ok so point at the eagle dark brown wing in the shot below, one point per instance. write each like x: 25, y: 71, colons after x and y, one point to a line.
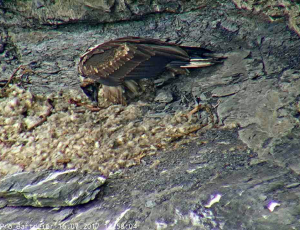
x: 118, y: 62
x: 128, y: 59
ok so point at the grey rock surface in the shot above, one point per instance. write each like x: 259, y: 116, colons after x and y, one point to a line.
x: 49, y: 189
x: 250, y: 158
x: 164, y: 97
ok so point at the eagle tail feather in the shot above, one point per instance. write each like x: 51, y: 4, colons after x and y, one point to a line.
x: 200, y: 63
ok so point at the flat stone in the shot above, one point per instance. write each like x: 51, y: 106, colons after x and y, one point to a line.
x: 49, y: 188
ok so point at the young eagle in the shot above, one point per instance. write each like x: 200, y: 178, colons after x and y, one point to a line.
x: 117, y: 64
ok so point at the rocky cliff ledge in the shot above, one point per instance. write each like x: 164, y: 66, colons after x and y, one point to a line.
x: 216, y: 149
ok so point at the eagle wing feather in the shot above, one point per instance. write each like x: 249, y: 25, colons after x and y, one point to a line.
x: 116, y: 61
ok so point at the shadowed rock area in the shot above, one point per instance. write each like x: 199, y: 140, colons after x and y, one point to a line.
x: 234, y: 164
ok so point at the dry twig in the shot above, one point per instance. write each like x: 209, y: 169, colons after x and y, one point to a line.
x: 90, y: 107
x: 191, y: 130
x: 25, y: 70
x: 44, y: 117
x: 198, y: 108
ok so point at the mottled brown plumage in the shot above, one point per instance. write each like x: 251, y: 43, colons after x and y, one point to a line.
x: 117, y: 64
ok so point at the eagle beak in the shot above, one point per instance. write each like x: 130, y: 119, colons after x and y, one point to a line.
x: 91, y: 90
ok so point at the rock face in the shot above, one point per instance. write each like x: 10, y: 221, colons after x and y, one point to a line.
x: 237, y: 157
x: 49, y: 189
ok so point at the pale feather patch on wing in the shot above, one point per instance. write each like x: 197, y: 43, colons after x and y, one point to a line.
x: 104, y: 64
